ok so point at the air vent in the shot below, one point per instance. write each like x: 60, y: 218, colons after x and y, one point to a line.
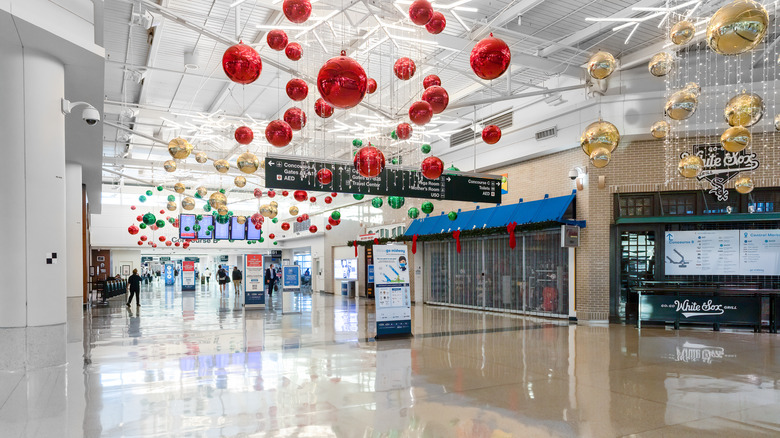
x: 547, y: 133
x: 503, y: 120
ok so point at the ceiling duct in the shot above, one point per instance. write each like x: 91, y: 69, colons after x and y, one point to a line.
x: 502, y: 119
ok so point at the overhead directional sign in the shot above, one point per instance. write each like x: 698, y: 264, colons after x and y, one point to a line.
x: 301, y: 174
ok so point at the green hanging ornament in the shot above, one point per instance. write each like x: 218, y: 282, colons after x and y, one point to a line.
x: 230, y: 213
x: 426, y: 148
x: 171, y: 198
x: 452, y: 167
x: 354, y: 153
x: 208, y: 233
x: 186, y: 228
x: 413, y: 212
x: 197, y: 195
x: 396, y: 202
x: 149, y: 193
x: 231, y: 240
x: 223, y: 219
x: 160, y: 223
x: 159, y: 188
x: 214, y: 213
x: 427, y: 207
x: 196, y: 227
x: 335, y: 215
x: 276, y: 243
x: 199, y: 217
x: 142, y: 198
x: 207, y: 207
x: 452, y: 215
x: 275, y: 220
x: 377, y: 202
x: 262, y: 239
x: 142, y: 226
x: 149, y: 218
x: 394, y: 161
x: 222, y: 191
x: 393, y: 135
x: 357, y: 142
x: 210, y: 227
x: 358, y: 196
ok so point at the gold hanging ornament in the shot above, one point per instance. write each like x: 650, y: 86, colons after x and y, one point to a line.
x: 682, y: 104
x: 239, y: 181
x: 293, y: 211
x: 690, y: 166
x: 682, y: 32
x: 735, y: 138
x: 171, y: 206
x: 737, y: 27
x: 179, y: 187
x: 222, y: 211
x: 202, y: 192
x: 660, y: 64
x: 744, y: 109
x: 660, y: 129
x: 600, y: 157
x: 217, y: 200
x: 179, y: 148
x: 170, y: 166
x: 777, y: 122
x: 744, y: 184
x: 188, y: 203
x: 247, y: 162
x: 241, y: 220
x: 222, y: 166
x: 201, y: 157
x: 599, y: 134
x: 601, y: 65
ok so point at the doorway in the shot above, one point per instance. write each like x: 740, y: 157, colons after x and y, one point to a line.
x: 636, y: 251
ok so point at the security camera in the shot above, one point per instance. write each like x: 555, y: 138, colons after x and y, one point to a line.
x: 573, y: 174
x: 90, y: 114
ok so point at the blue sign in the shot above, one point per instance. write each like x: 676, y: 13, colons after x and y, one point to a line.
x: 291, y: 277
x: 170, y: 277
x: 370, y: 273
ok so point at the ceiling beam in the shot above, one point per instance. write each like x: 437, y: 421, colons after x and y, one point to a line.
x: 519, y: 8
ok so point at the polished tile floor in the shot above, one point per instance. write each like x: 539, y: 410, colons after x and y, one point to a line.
x: 195, y: 364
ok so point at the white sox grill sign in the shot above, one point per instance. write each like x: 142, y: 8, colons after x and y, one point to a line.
x: 720, y: 166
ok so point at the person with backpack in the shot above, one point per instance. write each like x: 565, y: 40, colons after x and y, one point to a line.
x: 134, y: 288
x: 222, y: 275
x: 237, y: 277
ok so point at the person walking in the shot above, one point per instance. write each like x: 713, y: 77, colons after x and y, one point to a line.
x: 134, y: 288
x: 207, y: 274
x: 222, y: 275
x: 270, y: 279
x: 236, y: 279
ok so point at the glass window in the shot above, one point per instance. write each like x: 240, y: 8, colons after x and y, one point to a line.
x: 636, y: 205
x: 678, y: 203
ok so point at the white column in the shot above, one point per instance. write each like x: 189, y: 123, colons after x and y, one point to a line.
x: 73, y: 231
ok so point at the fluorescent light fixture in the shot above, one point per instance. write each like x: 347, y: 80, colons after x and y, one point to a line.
x: 453, y: 4
x: 271, y: 27
x: 636, y: 26
x: 460, y: 20
x: 236, y: 3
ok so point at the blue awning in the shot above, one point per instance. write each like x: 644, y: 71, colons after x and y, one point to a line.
x: 542, y: 210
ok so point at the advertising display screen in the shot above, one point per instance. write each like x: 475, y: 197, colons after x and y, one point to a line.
x: 187, y: 226
x: 237, y: 231
x: 722, y: 252
x: 205, y: 223
x: 253, y: 233
x: 393, y: 299
x: 345, y: 269
x: 222, y: 231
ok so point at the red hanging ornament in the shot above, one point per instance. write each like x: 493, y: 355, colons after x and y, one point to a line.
x: 140, y: 243
x: 403, y: 131
x: 285, y: 226
x: 376, y: 241
x: 322, y: 108
x: 300, y: 195
x: 369, y: 161
x: 132, y: 207
x: 437, y: 23
x: 371, y: 86
x: 437, y: 97
x: 133, y: 229
x: 285, y: 193
x: 161, y: 238
x: 177, y: 244
x: 414, y: 244
x: 294, y: 51
x: 324, y: 176
x: 297, y: 89
x: 143, y: 238
x: 491, y: 134
x: 258, y: 193
x: 299, y: 219
x: 328, y: 227
x: 420, y: 12
x: 313, y: 229
x: 430, y: 81
x: 332, y: 221
x: 312, y: 199
x: 271, y: 193
x: 168, y: 243
x: 432, y: 167
x: 334, y: 194
x: 456, y: 235
x: 490, y: 58
x: 162, y: 211
x: 154, y: 245
x: 296, y: 118
x: 186, y: 245
x: 355, y: 244
x: 328, y: 199
x: 277, y: 39
x: 244, y: 135
x: 139, y: 218
x: 420, y: 113
x: 510, y: 228
x: 242, y: 64
x: 278, y: 133
x: 297, y: 11
x: 272, y: 236
x: 342, y: 82
x: 404, y: 69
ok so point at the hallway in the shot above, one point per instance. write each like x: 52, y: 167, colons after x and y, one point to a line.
x: 196, y: 364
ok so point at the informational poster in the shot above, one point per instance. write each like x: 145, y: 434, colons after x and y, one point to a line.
x: 169, y: 275
x: 291, y: 277
x: 722, y: 252
x: 393, y: 300
x: 188, y: 275
x: 254, y: 292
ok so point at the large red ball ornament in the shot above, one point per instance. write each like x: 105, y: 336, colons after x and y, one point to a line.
x: 257, y: 219
x: 331, y: 221
x: 328, y: 227
x: 490, y: 58
x: 161, y: 238
x: 285, y: 193
x: 133, y: 229
x: 168, y: 243
x: 432, y: 167
x: 371, y: 86
x: 285, y: 226
x: 299, y: 219
x: 242, y: 64
x: 334, y: 194
x: 297, y: 11
x: 342, y: 82
x: 305, y: 216
x: 300, y: 195
x: 491, y: 134
x: 328, y: 199
x: 437, y: 97
x: 244, y: 134
x: 272, y: 236
x: 313, y: 229
x: 154, y: 245
x: 403, y: 131
x: 324, y: 176
x: 294, y: 51
x: 162, y: 211
x: 271, y: 193
x: 258, y: 193
x: 369, y: 161
x: 140, y: 243
x: 312, y: 199
x: 322, y: 108
x: 186, y: 245
x: 404, y: 69
x: 177, y: 244
x: 143, y: 238
x: 420, y: 113
x: 278, y: 133
x: 296, y: 118
x: 437, y: 23
x: 421, y: 12
x: 430, y: 81
x: 277, y: 39
x: 139, y: 218
x: 297, y: 89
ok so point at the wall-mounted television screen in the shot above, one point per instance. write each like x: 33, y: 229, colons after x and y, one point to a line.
x: 205, y: 223
x: 222, y: 231
x: 252, y: 233
x: 237, y: 231
x: 187, y: 226
x: 345, y: 269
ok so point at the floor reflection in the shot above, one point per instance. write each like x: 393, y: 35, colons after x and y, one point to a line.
x: 199, y: 364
